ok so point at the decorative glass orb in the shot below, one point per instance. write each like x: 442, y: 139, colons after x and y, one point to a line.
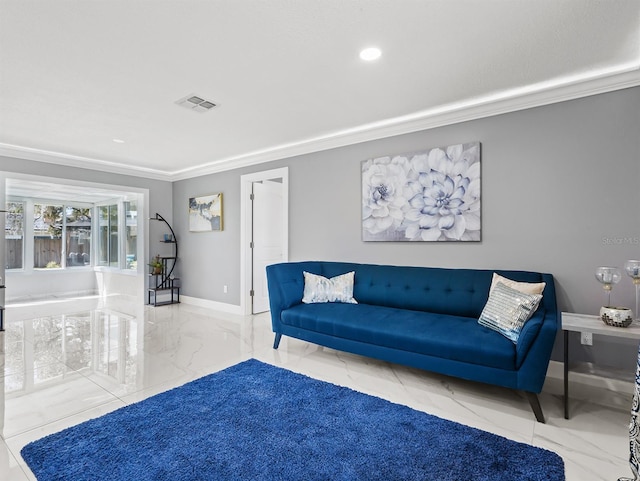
x: 608, y: 276
x: 633, y: 270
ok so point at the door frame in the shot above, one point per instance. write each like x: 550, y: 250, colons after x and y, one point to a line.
x: 246, y: 228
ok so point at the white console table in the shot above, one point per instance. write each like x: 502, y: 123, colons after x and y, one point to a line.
x: 594, y: 325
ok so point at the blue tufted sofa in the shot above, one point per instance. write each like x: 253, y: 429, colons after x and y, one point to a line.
x: 421, y: 317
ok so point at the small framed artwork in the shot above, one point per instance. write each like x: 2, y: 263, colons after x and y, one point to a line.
x: 428, y: 196
x: 205, y: 213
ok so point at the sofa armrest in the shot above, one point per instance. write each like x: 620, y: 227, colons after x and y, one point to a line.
x: 534, y: 347
x: 528, y: 335
x: 533, y: 363
x: 285, y: 282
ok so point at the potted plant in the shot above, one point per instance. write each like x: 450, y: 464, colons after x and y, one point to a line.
x: 156, y: 265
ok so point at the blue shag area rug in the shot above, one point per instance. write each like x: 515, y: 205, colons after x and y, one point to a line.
x: 254, y: 421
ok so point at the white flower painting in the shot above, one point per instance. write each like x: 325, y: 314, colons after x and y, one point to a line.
x: 432, y: 195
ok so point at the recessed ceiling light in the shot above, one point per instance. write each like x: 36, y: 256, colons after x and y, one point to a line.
x: 118, y: 141
x: 370, y: 54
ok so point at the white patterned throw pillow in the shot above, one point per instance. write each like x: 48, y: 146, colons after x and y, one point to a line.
x: 507, y: 310
x: 320, y: 289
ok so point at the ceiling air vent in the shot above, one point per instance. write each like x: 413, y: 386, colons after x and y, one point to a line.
x: 196, y: 103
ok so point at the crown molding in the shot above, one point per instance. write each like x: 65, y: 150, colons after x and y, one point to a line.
x: 69, y: 160
x: 513, y: 100
x: 536, y: 95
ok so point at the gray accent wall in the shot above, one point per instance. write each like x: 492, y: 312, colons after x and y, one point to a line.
x: 209, y: 260
x: 559, y: 194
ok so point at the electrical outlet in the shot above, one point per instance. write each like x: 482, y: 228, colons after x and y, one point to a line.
x: 586, y: 338
x: 224, y: 289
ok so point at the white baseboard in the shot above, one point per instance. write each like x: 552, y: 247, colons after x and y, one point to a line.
x: 51, y: 296
x: 596, y: 379
x: 216, y: 306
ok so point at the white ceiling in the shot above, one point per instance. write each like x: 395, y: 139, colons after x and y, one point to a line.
x: 75, y: 74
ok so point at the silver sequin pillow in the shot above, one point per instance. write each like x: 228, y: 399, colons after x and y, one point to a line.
x: 320, y: 289
x: 507, y: 310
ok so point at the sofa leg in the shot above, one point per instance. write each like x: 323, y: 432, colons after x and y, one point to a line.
x: 276, y: 341
x: 535, y: 405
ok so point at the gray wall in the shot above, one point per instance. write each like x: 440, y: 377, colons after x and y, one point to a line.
x: 209, y: 260
x: 559, y: 194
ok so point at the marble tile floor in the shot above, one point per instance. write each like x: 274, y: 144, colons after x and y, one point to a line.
x: 67, y: 362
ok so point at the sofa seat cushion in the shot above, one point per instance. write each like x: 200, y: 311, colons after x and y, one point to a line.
x: 438, y: 335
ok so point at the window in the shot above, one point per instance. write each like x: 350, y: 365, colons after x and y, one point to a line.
x: 54, y: 234
x: 14, y: 235
x: 47, y: 236
x: 108, y: 246
x: 131, y: 241
x: 77, y: 236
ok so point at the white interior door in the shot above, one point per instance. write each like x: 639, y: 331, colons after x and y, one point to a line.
x: 267, y: 238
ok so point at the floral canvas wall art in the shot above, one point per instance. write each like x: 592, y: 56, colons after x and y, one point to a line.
x: 205, y: 213
x: 431, y: 195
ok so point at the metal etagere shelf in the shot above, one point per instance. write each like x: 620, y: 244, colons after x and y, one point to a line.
x: 165, y: 282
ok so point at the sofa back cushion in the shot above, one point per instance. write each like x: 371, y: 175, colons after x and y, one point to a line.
x: 459, y: 292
